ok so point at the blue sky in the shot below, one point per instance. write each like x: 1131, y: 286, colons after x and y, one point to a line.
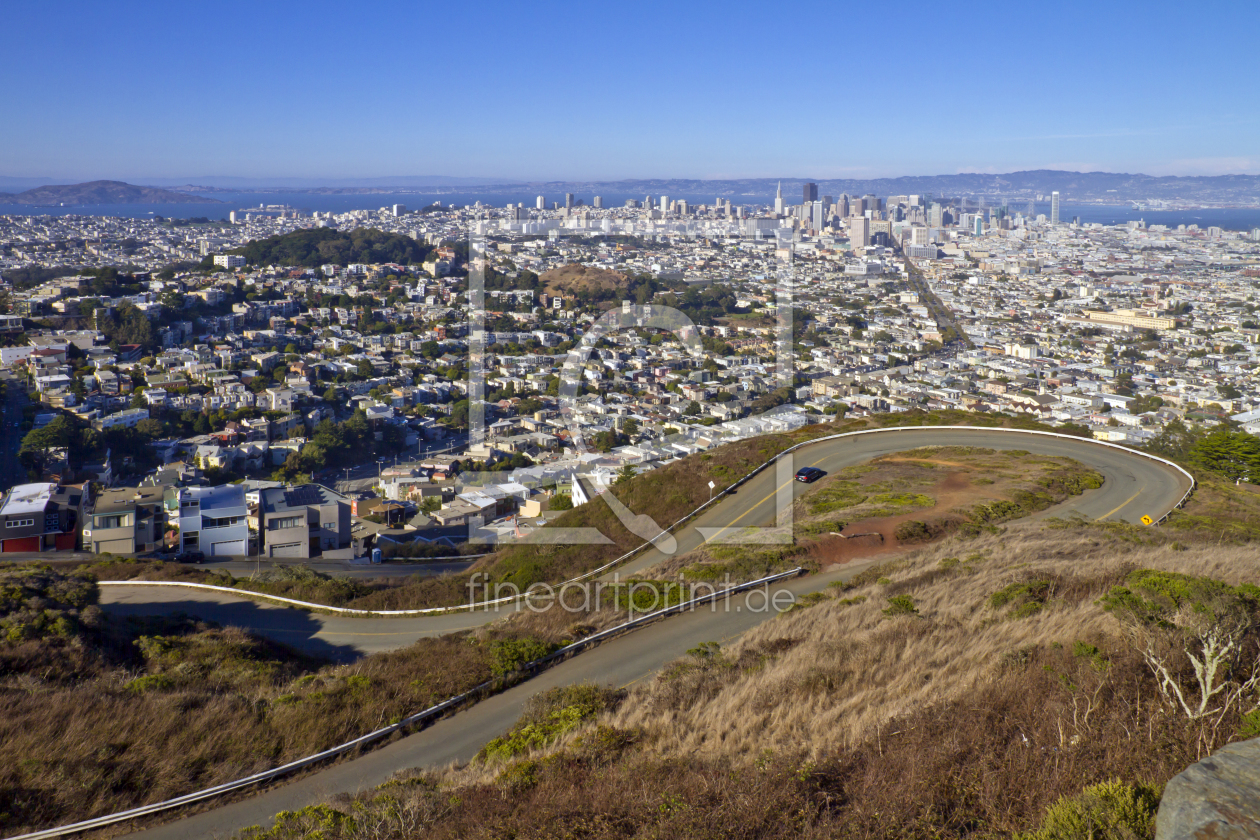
x: 548, y: 90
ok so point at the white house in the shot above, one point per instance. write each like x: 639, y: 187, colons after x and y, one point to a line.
x: 213, y: 520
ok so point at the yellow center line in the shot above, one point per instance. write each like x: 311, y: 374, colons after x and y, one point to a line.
x: 1122, y: 504
x: 759, y: 504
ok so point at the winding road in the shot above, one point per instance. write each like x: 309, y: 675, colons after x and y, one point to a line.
x: 1134, y: 486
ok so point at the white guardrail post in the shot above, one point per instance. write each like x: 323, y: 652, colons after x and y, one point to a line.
x: 419, y: 717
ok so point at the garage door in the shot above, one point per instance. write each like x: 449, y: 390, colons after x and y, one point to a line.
x: 288, y: 550
x: 112, y: 546
x: 223, y: 549
x: 22, y: 544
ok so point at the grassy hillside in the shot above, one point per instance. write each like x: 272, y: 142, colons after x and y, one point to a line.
x: 972, y: 689
x: 99, y: 713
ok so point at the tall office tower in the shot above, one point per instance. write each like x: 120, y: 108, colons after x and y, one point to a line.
x: 1054, y: 207
x: 872, y: 202
x: 540, y: 203
x: 682, y: 206
x: 979, y: 224
x: 568, y: 201
x: 598, y: 202
x: 819, y: 219
x: 778, y: 200
x: 810, y: 193
x: 399, y: 209
x: 859, y: 232
x: 936, y: 215
x: 664, y: 204
x: 858, y: 206
x: 826, y: 199
x: 842, y: 206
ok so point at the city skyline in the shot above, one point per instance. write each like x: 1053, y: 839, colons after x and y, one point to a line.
x: 658, y: 91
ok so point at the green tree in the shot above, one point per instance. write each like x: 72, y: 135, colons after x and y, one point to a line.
x: 692, y: 409
x: 150, y: 428
x: 1233, y: 455
x: 626, y: 473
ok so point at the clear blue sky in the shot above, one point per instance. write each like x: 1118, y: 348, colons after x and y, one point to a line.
x: 608, y: 90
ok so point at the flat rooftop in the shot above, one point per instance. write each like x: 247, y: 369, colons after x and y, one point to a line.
x: 28, y: 498
x: 125, y: 498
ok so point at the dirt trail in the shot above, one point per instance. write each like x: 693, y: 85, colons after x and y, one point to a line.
x: 950, y: 492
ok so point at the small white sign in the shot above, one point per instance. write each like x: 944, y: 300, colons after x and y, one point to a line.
x: 712, y: 485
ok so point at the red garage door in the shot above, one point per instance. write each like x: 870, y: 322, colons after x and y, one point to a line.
x: 23, y: 544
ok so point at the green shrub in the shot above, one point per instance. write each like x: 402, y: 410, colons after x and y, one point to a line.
x: 548, y: 716
x: 903, y: 500
x: 152, y: 682
x: 1106, y: 811
x: 1249, y: 725
x: 998, y: 511
x: 1025, y: 598
x: 913, y: 531
x: 840, y: 495
x: 900, y: 605
x: 507, y: 655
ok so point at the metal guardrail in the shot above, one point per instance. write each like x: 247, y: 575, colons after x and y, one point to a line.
x: 419, y: 717
x: 716, y: 498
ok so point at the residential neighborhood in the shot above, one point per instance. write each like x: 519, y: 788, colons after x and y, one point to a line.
x: 181, y: 387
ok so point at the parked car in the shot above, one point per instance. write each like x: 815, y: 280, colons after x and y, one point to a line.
x: 190, y: 556
x: 809, y: 474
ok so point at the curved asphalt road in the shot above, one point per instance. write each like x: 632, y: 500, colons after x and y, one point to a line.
x: 1134, y: 486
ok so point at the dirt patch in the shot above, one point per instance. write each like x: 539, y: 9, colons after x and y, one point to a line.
x: 873, y: 537
x: 571, y: 279
x: 910, y: 498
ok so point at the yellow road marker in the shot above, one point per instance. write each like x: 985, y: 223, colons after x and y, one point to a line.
x: 1122, y: 504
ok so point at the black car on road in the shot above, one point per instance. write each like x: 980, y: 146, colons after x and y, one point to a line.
x: 809, y: 474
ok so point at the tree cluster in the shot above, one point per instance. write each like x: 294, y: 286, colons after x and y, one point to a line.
x: 320, y: 246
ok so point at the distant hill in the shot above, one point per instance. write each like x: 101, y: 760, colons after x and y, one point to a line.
x: 320, y: 246
x: 101, y: 192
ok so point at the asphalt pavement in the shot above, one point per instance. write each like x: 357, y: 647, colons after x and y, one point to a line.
x: 1134, y: 486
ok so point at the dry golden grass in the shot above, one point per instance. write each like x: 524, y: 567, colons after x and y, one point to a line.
x: 850, y: 670
x: 962, y: 719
